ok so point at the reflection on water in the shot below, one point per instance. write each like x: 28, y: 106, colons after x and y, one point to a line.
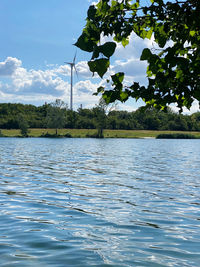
x: 84, y: 202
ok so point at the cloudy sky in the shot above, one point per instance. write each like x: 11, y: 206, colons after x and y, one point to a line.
x: 37, y: 37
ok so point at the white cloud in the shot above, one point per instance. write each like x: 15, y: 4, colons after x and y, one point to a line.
x: 134, y: 48
x: 132, y: 67
x: 83, y: 69
x: 9, y: 66
x: 38, y: 82
x: 85, y: 87
x: 127, y: 59
x: 126, y: 106
x: 32, y: 82
x: 194, y: 108
x: 63, y: 69
x: 19, y: 84
x: 36, y: 86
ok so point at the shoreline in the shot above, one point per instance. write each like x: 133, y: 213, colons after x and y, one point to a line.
x: 91, y: 133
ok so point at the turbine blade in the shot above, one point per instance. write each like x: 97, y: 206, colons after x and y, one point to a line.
x: 74, y: 58
x: 76, y: 71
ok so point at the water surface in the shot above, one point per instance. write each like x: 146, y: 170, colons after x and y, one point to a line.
x: 90, y: 202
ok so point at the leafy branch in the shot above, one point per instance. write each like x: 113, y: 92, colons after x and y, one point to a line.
x: 173, y: 73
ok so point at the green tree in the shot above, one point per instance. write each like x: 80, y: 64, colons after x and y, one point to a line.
x: 71, y: 119
x: 100, y: 112
x: 22, y: 124
x: 85, y: 119
x: 173, y: 71
x: 56, y: 115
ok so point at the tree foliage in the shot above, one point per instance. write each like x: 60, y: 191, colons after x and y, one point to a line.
x: 19, y: 115
x: 56, y: 115
x: 173, y: 70
x: 23, y: 125
x: 100, y: 113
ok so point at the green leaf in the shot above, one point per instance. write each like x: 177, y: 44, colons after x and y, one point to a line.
x: 84, y: 43
x: 125, y: 42
x: 177, y: 97
x: 118, y: 78
x: 135, y: 86
x: 135, y: 5
x: 197, y: 94
x: 146, y: 54
x: 149, y: 34
x: 99, y: 90
x: 114, y: 2
x: 103, y: 6
x: 187, y: 103
x: 143, y: 34
x: 160, y: 35
x: 91, y: 12
x: 121, y: 6
x: 106, y: 97
x: 99, y: 65
x: 179, y: 74
x: 124, y: 96
x: 149, y: 72
x: 108, y: 49
x: 95, y: 53
x: 192, y: 33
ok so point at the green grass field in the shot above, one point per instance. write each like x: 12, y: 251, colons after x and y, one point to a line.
x: 82, y: 133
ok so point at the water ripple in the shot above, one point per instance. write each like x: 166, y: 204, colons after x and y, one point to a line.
x: 84, y: 202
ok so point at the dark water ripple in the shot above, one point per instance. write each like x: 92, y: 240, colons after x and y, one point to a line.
x: 87, y: 202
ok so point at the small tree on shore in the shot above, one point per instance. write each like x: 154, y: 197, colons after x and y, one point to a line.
x: 23, y: 125
x: 100, y: 112
x: 56, y: 115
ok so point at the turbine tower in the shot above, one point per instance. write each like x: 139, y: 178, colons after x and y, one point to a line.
x: 72, y: 65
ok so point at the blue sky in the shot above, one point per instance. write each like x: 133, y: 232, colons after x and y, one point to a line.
x: 37, y: 37
x: 40, y: 31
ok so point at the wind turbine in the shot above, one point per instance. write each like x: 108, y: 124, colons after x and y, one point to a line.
x: 72, y: 65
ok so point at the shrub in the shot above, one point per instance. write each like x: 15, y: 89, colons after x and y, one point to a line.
x: 68, y: 135
x: 176, y: 136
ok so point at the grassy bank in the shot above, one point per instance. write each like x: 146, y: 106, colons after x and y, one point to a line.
x: 82, y: 133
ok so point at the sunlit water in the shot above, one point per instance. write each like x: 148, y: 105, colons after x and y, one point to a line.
x: 90, y: 202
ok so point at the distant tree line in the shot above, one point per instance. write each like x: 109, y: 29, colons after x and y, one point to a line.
x: 57, y: 115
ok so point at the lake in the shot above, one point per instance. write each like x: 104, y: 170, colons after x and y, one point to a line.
x: 93, y: 202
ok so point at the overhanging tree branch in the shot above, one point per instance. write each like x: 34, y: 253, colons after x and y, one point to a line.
x: 174, y: 74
